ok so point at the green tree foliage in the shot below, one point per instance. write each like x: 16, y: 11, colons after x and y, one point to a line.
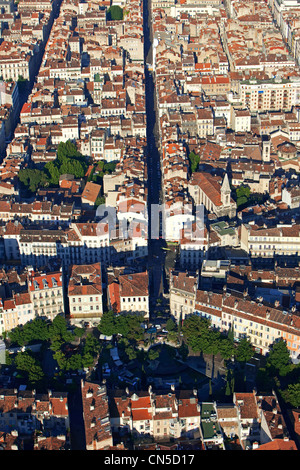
x: 242, y: 195
x: 91, y: 345
x: 244, y: 350
x: 292, y: 395
x: 153, y: 354
x: 69, y: 161
x: 114, y: 13
x: 279, y: 360
x: 194, y: 161
x: 107, y: 324
x: 131, y: 353
x: 129, y: 326
x: 226, y: 347
x: 61, y: 359
x: 170, y: 324
x: 26, y: 363
x: 102, y: 168
x: 32, y: 179
x: 100, y: 200
x: 36, y: 330
x: 58, y: 328
x: 79, y: 332
x: 202, y: 338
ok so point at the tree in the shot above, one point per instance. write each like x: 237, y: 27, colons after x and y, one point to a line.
x: 99, y: 201
x: 242, y: 195
x: 153, y: 354
x: 129, y: 326
x: 67, y: 150
x: 17, y: 336
x: 244, y: 350
x: 183, y: 351
x: 170, y: 324
x: 114, y: 13
x: 131, y: 353
x: 53, y: 173
x: 26, y: 363
x: 109, y: 167
x: 74, y: 362
x: 91, y: 346
x: 32, y: 179
x: 194, y: 161
x: 226, y: 348
x: 69, y: 160
x: 37, y: 330
x: 61, y: 359
x: 107, y: 323
x: 87, y: 360
x: 58, y: 328
x: 279, y: 360
x: 292, y: 394
x: 79, y: 332
x: 243, y: 191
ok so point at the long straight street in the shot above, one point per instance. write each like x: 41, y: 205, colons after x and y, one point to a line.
x: 156, y: 256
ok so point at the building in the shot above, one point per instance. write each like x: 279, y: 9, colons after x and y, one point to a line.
x: 161, y: 415
x: 46, y: 291
x: 25, y: 411
x: 85, y: 293
x: 270, y: 95
x: 291, y: 196
x: 261, y: 323
x: 90, y: 194
x: 213, y: 193
x: 129, y: 293
x: 211, y: 433
x: 96, y: 416
x: 249, y: 419
x: 282, y: 240
x: 183, y: 287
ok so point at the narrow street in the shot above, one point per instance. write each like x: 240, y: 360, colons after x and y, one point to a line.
x: 156, y: 256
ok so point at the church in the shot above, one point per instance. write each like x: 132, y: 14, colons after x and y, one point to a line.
x: 214, y: 193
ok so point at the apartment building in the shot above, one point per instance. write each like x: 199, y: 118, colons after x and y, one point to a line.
x: 205, y: 122
x: 261, y: 323
x: 249, y: 418
x: 26, y: 411
x: 46, y: 293
x: 291, y: 196
x: 96, y: 416
x: 183, y: 287
x: 193, y: 246
x: 134, y: 293
x: 241, y: 120
x: 269, y: 95
x: 85, y: 293
x: 16, y: 65
x: 81, y: 242
x: 159, y: 414
x: 282, y: 240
